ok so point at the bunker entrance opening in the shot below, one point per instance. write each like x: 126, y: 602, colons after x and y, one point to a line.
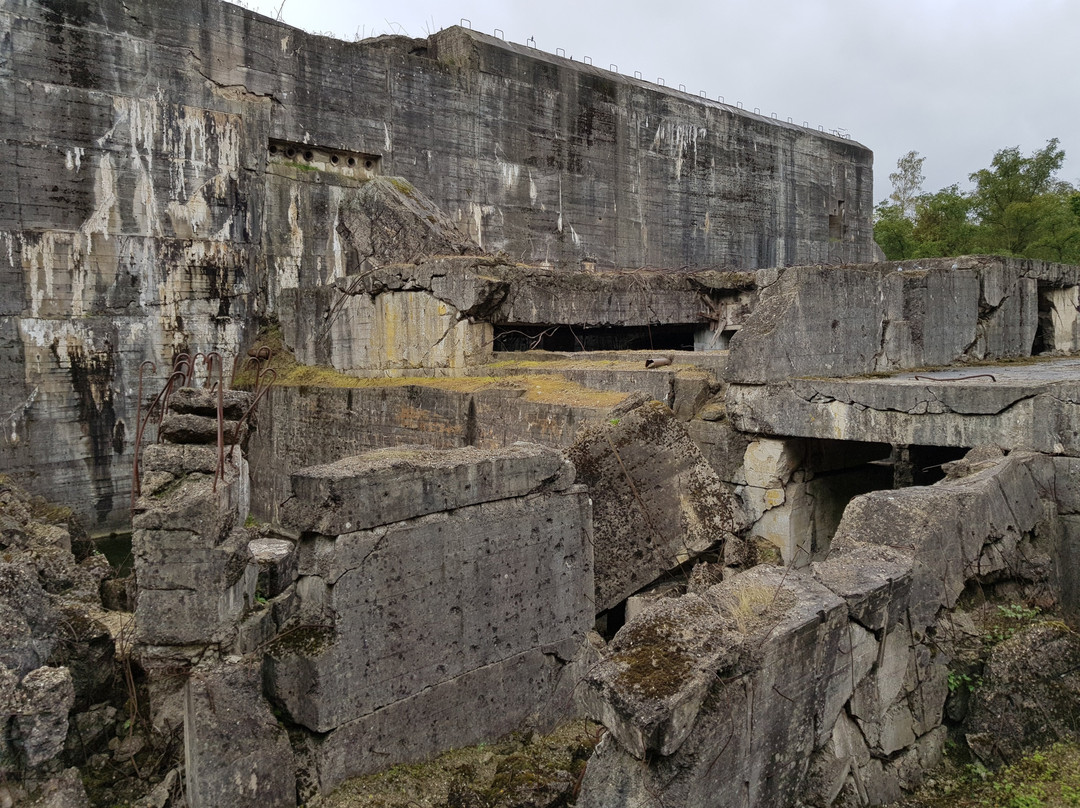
x: 576, y: 338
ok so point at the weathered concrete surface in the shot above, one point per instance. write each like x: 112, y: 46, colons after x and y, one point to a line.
x: 173, y: 172
x: 783, y: 686
x: 1033, y: 407
x: 235, y: 751
x: 530, y: 690
x: 845, y: 321
x: 300, y: 427
x: 391, y: 485
x: 473, y: 613
x: 656, y: 502
x: 753, y: 716
x: 973, y: 528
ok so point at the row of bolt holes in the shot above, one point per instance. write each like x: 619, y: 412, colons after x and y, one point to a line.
x: 290, y: 152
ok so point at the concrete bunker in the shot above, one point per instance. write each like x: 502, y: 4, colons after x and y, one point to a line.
x: 388, y: 459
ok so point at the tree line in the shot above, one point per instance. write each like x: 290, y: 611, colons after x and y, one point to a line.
x: 1017, y: 207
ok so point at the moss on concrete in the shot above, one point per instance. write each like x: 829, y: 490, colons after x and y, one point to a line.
x: 539, y: 771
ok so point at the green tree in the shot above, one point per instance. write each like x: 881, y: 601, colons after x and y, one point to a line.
x: 1007, y: 200
x: 1017, y: 207
x: 907, y: 183
x: 894, y: 232
x: 943, y: 224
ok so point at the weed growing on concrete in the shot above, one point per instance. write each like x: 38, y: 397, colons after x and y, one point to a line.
x: 1046, y: 778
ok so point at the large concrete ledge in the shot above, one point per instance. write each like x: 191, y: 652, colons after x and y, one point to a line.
x: 306, y: 426
x: 389, y: 485
x: 1034, y: 407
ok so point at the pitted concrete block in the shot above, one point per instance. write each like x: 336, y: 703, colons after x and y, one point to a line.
x: 419, y: 602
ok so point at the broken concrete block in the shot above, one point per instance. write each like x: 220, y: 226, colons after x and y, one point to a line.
x: 874, y: 580
x: 657, y: 672
x: 820, y: 321
x: 188, y: 428
x: 203, y: 401
x: 179, y: 459
x: 45, y: 695
x: 190, y: 592
x: 388, y: 485
x: 656, y: 502
x: 389, y: 221
x: 197, y: 506
x: 946, y: 526
x: 753, y: 732
x: 235, y: 752
x: 277, y: 561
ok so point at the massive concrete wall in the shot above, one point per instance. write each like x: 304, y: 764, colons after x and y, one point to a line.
x: 174, y: 170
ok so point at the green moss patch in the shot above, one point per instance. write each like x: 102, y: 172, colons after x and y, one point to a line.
x: 539, y: 771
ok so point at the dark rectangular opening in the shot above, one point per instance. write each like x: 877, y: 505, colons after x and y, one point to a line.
x: 571, y: 338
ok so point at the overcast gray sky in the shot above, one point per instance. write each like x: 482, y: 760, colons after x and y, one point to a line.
x: 955, y: 80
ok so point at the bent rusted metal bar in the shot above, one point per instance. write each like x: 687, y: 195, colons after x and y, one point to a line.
x: 989, y: 376
x: 260, y: 393
x: 212, y: 358
x: 139, y: 425
x: 256, y: 355
x: 181, y: 364
x: 141, y: 422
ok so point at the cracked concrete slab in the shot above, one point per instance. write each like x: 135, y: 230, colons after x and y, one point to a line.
x: 1033, y: 407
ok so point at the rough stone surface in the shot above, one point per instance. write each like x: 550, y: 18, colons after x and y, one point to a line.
x: 754, y: 727
x: 62, y: 791
x: 656, y: 502
x: 44, y: 698
x: 235, y: 751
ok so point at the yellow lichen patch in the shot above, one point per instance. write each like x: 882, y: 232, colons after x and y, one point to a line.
x: 556, y: 389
